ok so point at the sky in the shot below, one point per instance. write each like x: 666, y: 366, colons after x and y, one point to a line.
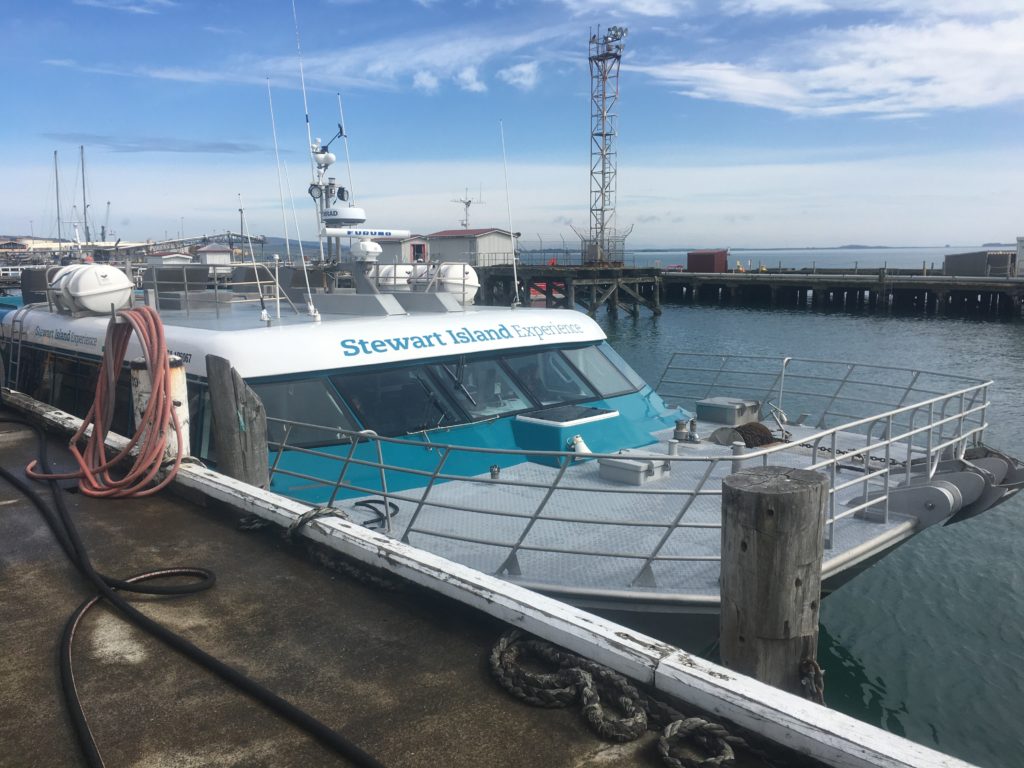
x: 740, y: 123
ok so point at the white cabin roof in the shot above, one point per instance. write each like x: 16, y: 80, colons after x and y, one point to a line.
x: 297, y: 344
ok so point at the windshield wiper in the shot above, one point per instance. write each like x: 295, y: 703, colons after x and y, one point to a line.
x: 457, y: 379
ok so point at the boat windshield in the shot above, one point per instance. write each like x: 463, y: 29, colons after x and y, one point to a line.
x: 397, y: 401
x: 402, y: 400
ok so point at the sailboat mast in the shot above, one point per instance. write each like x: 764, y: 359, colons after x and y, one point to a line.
x: 85, y: 205
x: 56, y: 177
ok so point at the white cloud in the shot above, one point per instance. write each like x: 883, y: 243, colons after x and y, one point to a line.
x: 902, y: 8
x: 888, y: 70
x: 522, y: 76
x: 469, y: 81
x: 424, y: 81
x: 620, y: 8
x: 448, y: 54
x: 129, y: 6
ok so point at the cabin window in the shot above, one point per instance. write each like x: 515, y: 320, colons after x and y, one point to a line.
x: 69, y: 383
x: 309, y: 407
x: 482, y: 388
x: 397, y: 401
x: 548, y: 378
x: 599, y: 371
x: 621, y: 365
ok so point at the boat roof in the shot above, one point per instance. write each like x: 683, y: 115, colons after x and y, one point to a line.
x: 296, y: 343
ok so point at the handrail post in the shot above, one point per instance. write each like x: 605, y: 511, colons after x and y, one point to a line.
x: 932, y: 466
x: 383, y: 487
x: 888, y: 463
x: 280, y: 452
x: 671, y: 527
x: 567, y: 460
x: 348, y: 462
x: 830, y: 525
x: 426, y: 492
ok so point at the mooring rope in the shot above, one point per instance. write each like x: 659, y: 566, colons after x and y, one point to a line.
x: 575, y: 678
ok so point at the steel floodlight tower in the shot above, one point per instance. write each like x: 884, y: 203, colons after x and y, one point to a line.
x: 605, y: 244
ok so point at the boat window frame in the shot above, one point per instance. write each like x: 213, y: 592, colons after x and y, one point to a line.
x: 444, y: 385
x: 305, y: 378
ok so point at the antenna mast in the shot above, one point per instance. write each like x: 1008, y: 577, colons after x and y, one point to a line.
x: 605, y: 243
x: 465, y: 202
x: 56, y: 180
x: 85, y: 205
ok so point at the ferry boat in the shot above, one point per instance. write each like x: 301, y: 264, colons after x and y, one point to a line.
x: 517, y: 441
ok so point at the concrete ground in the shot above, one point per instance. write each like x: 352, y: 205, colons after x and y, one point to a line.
x: 402, y: 673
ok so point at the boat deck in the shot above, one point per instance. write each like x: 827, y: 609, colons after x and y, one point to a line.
x: 593, y: 534
x: 403, y: 673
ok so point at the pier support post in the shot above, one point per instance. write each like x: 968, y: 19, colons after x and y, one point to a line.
x: 239, y: 425
x: 772, y: 548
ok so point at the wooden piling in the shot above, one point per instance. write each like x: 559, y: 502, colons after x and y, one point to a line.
x: 772, y: 548
x: 239, y: 425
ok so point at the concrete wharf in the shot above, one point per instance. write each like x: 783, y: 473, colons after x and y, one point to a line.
x: 401, y: 671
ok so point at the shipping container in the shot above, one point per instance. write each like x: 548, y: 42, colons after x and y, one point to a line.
x: 712, y: 260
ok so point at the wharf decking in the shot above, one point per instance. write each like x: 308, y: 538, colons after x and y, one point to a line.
x: 617, y: 287
x: 876, y: 290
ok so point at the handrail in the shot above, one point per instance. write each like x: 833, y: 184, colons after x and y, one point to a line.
x: 954, y: 419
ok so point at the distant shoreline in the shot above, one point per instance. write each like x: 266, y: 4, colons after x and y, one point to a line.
x: 830, y: 248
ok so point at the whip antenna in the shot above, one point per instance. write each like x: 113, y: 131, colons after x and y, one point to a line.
x: 508, y: 206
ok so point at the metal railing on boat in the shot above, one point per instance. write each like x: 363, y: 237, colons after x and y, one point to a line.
x: 554, y: 503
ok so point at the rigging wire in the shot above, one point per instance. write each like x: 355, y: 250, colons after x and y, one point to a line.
x: 508, y: 205
x: 348, y: 161
x: 280, y: 188
x: 309, y: 132
x: 252, y: 257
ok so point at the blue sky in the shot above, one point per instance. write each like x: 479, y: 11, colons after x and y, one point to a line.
x: 743, y: 123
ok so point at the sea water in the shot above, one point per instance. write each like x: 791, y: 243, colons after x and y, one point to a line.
x: 928, y: 643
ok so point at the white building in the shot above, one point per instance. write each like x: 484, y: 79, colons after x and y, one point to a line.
x: 214, y: 253
x: 402, y: 250
x: 477, y: 247
x: 173, y: 259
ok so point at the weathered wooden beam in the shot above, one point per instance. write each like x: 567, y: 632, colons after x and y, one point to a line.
x: 239, y: 424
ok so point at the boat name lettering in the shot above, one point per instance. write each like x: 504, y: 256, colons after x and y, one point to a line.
x: 549, y: 329
x: 186, y: 357
x: 456, y: 336
x: 61, y: 334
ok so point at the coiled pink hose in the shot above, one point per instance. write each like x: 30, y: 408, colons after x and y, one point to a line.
x: 94, y: 472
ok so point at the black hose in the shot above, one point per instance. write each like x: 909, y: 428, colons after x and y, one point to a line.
x: 67, y: 536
